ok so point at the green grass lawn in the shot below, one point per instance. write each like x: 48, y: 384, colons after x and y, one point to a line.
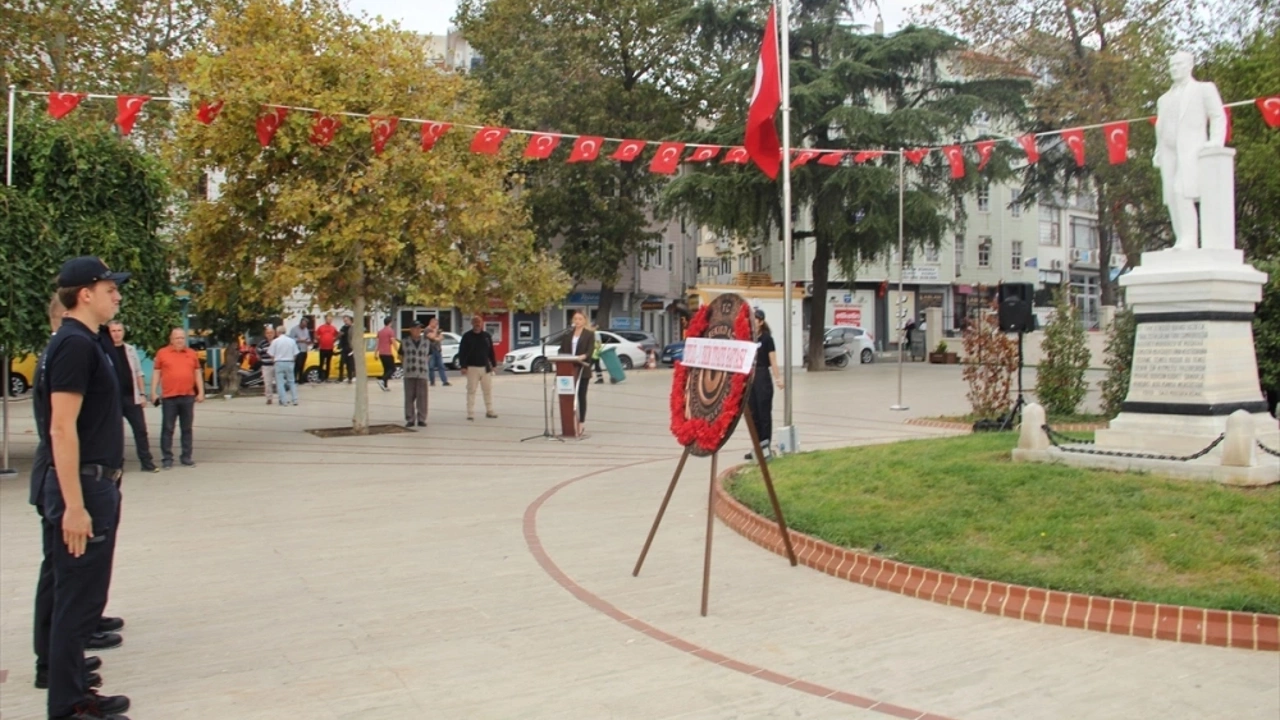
x: 970, y: 418
x: 961, y: 505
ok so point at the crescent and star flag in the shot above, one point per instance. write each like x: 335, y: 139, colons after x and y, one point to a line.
x: 1227, y: 139
x: 704, y: 153
x: 207, y: 111
x: 1074, y: 138
x: 61, y: 103
x: 269, y: 122
x: 832, y: 159
x: 323, y: 128
x: 382, y: 128
x: 540, y: 146
x: 1117, y: 135
x: 127, y: 109
x: 955, y: 156
x: 916, y: 156
x: 865, y: 155
x: 803, y: 157
x: 431, y: 132
x: 488, y: 140
x: 736, y: 156
x: 586, y: 148
x: 1028, y: 143
x: 667, y: 159
x: 761, y: 139
x: 985, y: 148
x: 1270, y: 109
x: 629, y: 150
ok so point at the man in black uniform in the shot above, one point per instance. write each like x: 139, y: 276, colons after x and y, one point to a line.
x: 83, y: 425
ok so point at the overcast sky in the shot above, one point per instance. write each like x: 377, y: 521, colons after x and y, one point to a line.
x: 432, y: 16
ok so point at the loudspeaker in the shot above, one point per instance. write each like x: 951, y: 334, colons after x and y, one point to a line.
x: 1023, y: 291
x: 1015, y: 307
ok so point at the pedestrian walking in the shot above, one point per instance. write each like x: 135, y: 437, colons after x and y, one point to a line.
x: 760, y: 397
x: 476, y: 358
x: 303, y: 337
x: 326, y: 339
x: 346, y: 358
x: 133, y: 393
x: 177, y: 384
x: 415, y: 355
x: 267, y: 363
x: 284, y: 349
x: 386, y: 350
x: 581, y: 343
x: 81, y: 423
x: 436, y: 362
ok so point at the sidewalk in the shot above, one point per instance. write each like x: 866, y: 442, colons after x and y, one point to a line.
x: 392, y: 577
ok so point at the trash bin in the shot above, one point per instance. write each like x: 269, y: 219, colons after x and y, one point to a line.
x: 609, y: 356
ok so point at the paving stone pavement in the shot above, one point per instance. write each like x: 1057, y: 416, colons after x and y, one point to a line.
x: 395, y: 577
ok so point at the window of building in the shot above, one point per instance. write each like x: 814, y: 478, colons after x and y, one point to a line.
x: 1015, y: 209
x: 959, y: 253
x: 671, y: 256
x: 931, y: 254
x: 984, y: 198
x: 984, y: 251
x: 1050, y: 225
x: 726, y: 266
x: 1015, y: 255
x: 1084, y: 233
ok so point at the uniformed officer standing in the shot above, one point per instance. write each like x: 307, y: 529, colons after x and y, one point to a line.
x: 82, y: 421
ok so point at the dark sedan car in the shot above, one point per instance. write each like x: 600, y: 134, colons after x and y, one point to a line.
x: 672, y: 353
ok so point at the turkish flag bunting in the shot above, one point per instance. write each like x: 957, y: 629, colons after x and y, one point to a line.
x: 269, y: 122
x: 916, y: 156
x: 540, y: 146
x: 382, y: 128
x: 431, y: 132
x: 704, y: 153
x: 1074, y: 138
x: 61, y: 103
x: 1227, y: 110
x: 1269, y: 106
x: 207, y: 111
x: 1152, y: 119
x: 1028, y: 143
x: 831, y: 159
x: 865, y: 155
x: 985, y: 148
x: 803, y: 157
x: 629, y: 150
x: 736, y: 156
x: 667, y: 159
x: 323, y: 128
x: 586, y: 148
x: 127, y: 109
x: 488, y: 140
x: 1117, y: 135
x: 762, y: 136
x: 955, y: 156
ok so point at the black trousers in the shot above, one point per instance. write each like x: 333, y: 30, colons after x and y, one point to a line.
x: 326, y: 361
x: 584, y: 382
x: 760, y: 401
x: 299, y: 368
x: 138, y: 422
x: 388, y: 367
x: 346, y: 365
x: 181, y: 410
x: 80, y: 587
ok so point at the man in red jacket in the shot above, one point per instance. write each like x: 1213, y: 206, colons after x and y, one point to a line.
x: 326, y: 337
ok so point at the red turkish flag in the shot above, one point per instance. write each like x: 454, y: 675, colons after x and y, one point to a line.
x: 431, y: 132
x: 1074, y: 138
x: 540, y: 146
x: 269, y: 122
x: 207, y: 111
x: 61, y: 103
x: 985, y: 148
x: 704, y: 153
x: 955, y: 156
x: 1028, y: 143
x: 865, y: 155
x: 1227, y: 111
x: 323, y: 128
x: 1117, y: 135
x: 736, y: 156
x: 127, y: 109
x: 586, y: 148
x: 916, y: 156
x: 629, y: 150
x: 1152, y: 120
x: 667, y: 159
x: 1270, y: 109
x: 761, y: 139
x: 382, y: 128
x: 832, y: 159
x: 488, y: 140
x: 803, y: 157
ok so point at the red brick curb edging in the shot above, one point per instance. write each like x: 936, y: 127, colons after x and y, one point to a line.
x: 968, y: 427
x: 1178, y: 623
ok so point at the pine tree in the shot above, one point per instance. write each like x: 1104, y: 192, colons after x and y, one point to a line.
x: 1060, y: 384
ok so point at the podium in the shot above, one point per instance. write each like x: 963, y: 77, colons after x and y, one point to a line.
x: 567, y: 379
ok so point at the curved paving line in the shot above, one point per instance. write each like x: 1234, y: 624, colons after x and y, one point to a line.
x: 600, y: 604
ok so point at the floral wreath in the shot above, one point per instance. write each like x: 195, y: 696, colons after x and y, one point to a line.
x: 708, y: 437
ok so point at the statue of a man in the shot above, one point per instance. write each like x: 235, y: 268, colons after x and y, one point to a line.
x: 1181, y: 116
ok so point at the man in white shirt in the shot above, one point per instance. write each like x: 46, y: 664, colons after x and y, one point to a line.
x: 284, y: 349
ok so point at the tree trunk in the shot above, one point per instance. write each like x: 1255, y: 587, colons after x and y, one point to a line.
x: 360, y: 421
x: 606, y: 306
x: 818, y: 301
x: 229, y: 373
x: 1104, y: 245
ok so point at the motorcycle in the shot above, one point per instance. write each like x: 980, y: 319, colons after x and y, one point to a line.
x: 835, y: 353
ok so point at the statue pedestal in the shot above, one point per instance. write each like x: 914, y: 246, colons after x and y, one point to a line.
x: 1193, y: 360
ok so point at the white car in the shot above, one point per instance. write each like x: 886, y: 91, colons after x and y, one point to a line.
x: 862, y: 342
x: 532, y: 359
x: 449, y: 349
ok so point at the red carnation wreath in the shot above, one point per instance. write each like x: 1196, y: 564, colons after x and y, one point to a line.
x: 705, y: 435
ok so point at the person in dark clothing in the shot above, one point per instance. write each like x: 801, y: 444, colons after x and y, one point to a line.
x: 581, y: 343
x: 477, y: 360
x: 346, y: 358
x: 133, y: 393
x: 760, y: 397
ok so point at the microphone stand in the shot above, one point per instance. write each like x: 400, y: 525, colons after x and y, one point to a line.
x: 548, y: 410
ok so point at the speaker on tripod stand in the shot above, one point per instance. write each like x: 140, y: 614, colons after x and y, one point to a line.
x: 1014, y: 315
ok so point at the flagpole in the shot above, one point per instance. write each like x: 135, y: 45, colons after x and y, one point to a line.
x: 5, y: 470
x: 784, y: 16
x: 902, y: 259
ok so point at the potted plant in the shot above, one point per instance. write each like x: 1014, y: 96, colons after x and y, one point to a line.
x: 939, y: 354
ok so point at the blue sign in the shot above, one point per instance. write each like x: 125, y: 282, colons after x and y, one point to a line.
x: 583, y: 298
x: 620, y: 323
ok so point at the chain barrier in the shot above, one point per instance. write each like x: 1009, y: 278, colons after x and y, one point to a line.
x: 1088, y: 450
x: 1267, y: 450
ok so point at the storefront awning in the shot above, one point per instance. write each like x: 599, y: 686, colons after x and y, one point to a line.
x: 964, y: 289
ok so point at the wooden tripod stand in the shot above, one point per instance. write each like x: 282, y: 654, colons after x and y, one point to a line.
x: 711, y: 509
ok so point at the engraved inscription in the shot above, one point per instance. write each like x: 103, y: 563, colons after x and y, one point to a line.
x: 1169, y: 360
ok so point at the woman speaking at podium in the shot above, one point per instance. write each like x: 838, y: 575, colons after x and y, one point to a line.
x: 580, y: 343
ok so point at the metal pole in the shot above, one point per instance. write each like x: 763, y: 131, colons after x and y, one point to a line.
x: 784, y: 16
x: 5, y: 470
x: 902, y: 259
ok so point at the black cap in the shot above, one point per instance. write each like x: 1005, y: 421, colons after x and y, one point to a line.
x: 87, y: 270
x: 759, y: 314
x: 418, y: 324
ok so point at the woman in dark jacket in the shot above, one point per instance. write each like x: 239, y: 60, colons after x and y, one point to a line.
x: 760, y: 399
x: 580, y: 343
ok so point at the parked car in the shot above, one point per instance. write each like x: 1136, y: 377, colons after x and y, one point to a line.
x: 672, y: 353
x: 862, y: 343
x: 532, y: 359
x: 645, y: 340
x: 449, y: 349
x: 22, y: 374
x: 372, y: 363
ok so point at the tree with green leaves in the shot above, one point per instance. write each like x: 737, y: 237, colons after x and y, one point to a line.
x: 1060, y: 383
x: 344, y: 222
x: 1119, y: 361
x: 849, y: 90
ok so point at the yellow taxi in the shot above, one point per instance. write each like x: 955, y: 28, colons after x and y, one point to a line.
x: 22, y: 374
x: 372, y: 363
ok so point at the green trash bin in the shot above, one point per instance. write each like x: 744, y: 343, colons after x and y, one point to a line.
x: 609, y: 356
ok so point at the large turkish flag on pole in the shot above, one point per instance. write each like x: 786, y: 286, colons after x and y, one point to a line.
x: 762, y: 136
